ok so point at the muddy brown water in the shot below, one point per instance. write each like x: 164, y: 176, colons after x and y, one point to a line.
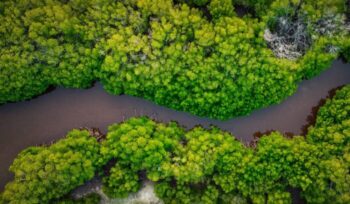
x: 50, y: 116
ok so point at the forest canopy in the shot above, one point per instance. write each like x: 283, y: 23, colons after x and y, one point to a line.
x: 194, y: 166
x: 197, y: 56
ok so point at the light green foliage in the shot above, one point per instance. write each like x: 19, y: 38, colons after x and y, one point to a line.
x: 197, y: 159
x: 160, y: 66
x: 219, y: 8
x: 195, y: 166
x: 331, y: 185
x: 232, y: 199
x: 269, y: 160
x: 120, y: 182
x: 315, y: 61
x: 331, y: 135
x: 300, y: 160
x: 335, y: 111
x: 276, y: 164
x: 279, y: 197
x: 209, y: 166
x: 333, y: 138
x: 232, y: 160
x: 325, y: 47
x: 167, y: 52
x: 54, y: 43
x: 46, y: 173
x: 314, y: 10
x: 318, y: 9
x: 20, y: 76
x: 332, y: 129
x: 127, y: 136
x: 187, y: 193
x: 139, y: 144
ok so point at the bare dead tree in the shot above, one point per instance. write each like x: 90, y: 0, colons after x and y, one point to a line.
x: 290, y: 39
x: 292, y: 36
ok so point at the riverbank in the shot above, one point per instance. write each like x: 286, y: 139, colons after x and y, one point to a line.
x: 49, y: 117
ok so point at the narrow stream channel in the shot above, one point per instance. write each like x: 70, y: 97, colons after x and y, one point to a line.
x: 49, y: 117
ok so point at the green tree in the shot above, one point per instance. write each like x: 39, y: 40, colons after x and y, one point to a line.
x: 46, y: 173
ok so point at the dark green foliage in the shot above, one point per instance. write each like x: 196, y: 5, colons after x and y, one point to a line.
x: 92, y: 198
x: 346, y: 49
x: 172, y: 54
x: 195, y: 2
x: 195, y: 166
x: 260, y: 6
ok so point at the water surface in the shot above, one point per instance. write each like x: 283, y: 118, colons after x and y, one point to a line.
x: 49, y: 117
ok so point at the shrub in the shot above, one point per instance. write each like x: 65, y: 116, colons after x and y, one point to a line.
x: 169, y: 53
x: 46, y: 173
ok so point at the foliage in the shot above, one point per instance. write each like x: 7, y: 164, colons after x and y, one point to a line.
x: 46, y: 173
x: 209, y: 166
x: 260, y: 6
x: 196, y: 2
x: 314, y: 32
x: 319, y: 9
x: 92, y: 198
x: 331, y: 136
x: 346, y: 48
x: 141, y: 144
x: 195, y: 166
x: 219, y: 8
x: 187, y: 194
x: 166, y: 51
x: 335, y: 111
x: 120, y: 182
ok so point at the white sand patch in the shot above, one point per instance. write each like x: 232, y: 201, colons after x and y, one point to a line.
x: 145, y: 195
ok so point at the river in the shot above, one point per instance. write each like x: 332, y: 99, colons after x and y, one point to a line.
x: 50, y: 116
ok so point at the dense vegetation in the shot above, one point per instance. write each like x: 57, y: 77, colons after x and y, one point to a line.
x: 43, y: 174
x: 195, y: 55
x: 195, y: 166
